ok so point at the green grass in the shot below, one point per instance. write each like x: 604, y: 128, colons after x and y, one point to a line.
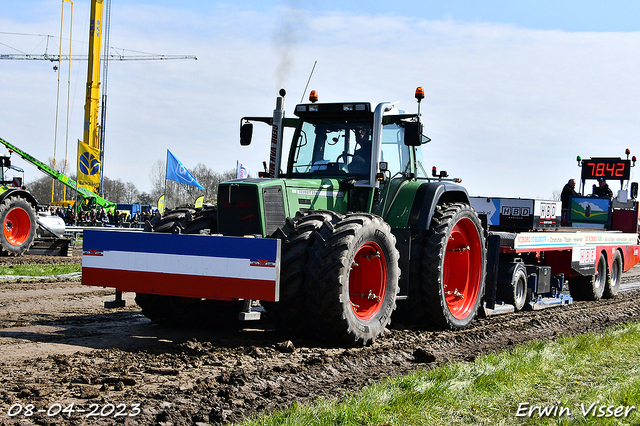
x: 39, y: 270
x: 601, y: 368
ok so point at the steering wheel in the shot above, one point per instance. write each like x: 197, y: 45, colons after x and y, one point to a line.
x: 345, y: 155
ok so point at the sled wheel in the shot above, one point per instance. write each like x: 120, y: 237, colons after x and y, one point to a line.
x: 352, y: 279
x: 612, y: 286
x: 590, y: 287
x: 18, y: 226
x: 517, y: 295
x: 290, y: 313
x: 454, y: 260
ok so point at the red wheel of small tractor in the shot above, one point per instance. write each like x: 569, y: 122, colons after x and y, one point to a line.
x: 18, y: 225
x: 453, y: 266
x: 352, y: 279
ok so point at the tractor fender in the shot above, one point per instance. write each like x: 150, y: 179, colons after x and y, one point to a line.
x: 431, y: 194
x: 16, y: 192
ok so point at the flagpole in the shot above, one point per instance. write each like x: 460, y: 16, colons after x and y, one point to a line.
x: 166, y: 164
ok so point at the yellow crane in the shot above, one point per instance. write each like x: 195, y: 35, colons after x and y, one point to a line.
x: 89, y: 165
x: 91, y: 148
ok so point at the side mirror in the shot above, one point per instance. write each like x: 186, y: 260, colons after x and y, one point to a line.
x: 246, y: 133
x: 413, y: 133
x: 634, y: 190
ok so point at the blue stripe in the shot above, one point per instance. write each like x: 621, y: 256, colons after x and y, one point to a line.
x: 187, y: 245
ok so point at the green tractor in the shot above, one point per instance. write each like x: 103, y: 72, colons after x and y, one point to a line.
x: 17, y: 213
x: 364, y: 229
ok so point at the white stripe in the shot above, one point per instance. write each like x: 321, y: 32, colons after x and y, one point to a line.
x: 179, y: 264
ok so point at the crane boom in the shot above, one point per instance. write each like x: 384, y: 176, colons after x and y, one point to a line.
x: 139, y: 56
x: 92, y: 101
x: 84, y: 193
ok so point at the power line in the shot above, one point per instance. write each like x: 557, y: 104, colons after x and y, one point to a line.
x: 140, y: 56
x: 116, y: 53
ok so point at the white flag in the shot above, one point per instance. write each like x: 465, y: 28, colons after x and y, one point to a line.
x: 242, y: 172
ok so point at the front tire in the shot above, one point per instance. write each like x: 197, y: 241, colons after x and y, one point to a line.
x: 453, y: 266
x: 18, y: 226
x: 352, y: 279
x: 290, y: 313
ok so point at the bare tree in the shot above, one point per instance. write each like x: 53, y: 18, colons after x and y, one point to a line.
x: 177, y: 194
x: 131, y: 193
x: 157, y: 177
x: 114, y: 190
x: 41, y: 187
x: 145, y: 198
x: 117, y: 191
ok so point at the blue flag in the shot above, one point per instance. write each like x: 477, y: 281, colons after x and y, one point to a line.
x: 179, y: 173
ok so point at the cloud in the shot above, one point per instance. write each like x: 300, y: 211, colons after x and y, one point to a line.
x: 593, y: 207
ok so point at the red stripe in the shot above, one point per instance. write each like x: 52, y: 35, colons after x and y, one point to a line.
x: 216, y: 288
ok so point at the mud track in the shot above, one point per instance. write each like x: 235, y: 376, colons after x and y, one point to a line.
x: 58, y: 345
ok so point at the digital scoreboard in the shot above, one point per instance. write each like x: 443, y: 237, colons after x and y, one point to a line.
x: 607, y: 168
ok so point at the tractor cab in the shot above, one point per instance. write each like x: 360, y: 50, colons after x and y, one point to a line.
x: 5, y: 166
x: 368, y: 150
x: 343, y: 157
x: 349, y: 139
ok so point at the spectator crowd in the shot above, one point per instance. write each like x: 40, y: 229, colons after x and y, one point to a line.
x: 99, y: 217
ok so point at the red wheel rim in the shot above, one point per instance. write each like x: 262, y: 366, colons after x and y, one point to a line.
x: 462, y: 272
x: 367, y: 281
x: 17, y: 226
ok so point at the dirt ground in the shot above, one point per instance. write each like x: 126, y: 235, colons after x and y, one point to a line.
x: 65, y: 359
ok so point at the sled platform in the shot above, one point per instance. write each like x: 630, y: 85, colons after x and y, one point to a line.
x: 51, y: 246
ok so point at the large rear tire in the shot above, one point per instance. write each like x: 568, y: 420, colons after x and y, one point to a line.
x: 454, y: 260
x: 352, y: 279
x: 590, y: 287
x: 290, y: 313
x: 612, y: 286
x: 18, y: 226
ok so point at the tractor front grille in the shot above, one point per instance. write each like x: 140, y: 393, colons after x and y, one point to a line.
x: 238, y: 210
x: 273, y: 208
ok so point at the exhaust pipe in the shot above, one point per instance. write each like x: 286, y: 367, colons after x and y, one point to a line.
x: 276, y: 136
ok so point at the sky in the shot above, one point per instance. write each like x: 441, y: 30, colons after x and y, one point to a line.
x: 514, y: 90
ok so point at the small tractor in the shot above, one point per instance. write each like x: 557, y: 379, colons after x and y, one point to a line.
x: 17, y: 212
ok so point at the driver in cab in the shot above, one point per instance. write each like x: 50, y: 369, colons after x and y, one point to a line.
x: 362, y: 153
